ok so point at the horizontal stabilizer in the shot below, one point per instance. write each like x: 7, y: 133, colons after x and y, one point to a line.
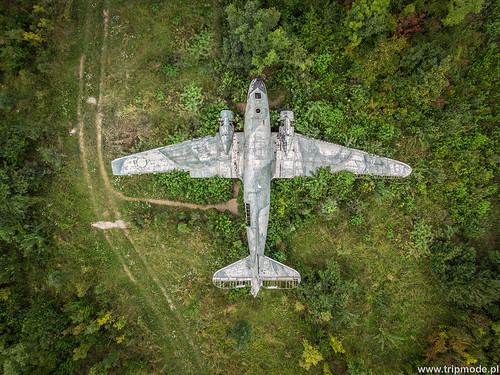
x: 236, y: 275
x: 271, y: 274
x: 275, y: 275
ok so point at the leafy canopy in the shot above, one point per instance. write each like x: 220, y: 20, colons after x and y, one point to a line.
x: 256, y: 41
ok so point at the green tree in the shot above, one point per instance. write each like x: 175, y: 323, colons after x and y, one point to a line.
x: 328, y: 294
x: 310, y: 356
x: 426, y: 86
x: 458, y: 10
x: 255, y: 40
x: 14, y: 202
x: 462, y: 281
x: 7, y: 100
x: 356, y: 366
x: 365, y: 19
x: 242, y: 334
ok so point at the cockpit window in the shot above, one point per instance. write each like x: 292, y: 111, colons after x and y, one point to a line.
x: 258, y: 95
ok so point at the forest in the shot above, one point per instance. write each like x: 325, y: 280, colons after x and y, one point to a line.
x: 397, y: 274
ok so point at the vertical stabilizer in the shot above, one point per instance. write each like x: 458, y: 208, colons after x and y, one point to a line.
x: 255, y: 286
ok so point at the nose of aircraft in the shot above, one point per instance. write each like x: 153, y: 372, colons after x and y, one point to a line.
x: 257, y: 83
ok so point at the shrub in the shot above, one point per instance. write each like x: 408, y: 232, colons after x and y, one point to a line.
x: 242, y: 334
x: 169, y: 70
x: 329, y: 206
x: 255, y: 40
x: 310, y: 356
x: 191, y: 98
x: 461, y: 280
x: 328, y: 293
x: 356, y: 366
x: 209, y: 118
x: 200, y: 45
x: 422, y: 238
x: 356, y: 220
x: 178, y: 185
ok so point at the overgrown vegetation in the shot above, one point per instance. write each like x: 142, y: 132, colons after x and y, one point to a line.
x: 56, y: 316
x: 395, y: 273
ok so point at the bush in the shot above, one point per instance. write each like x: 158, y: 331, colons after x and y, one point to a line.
x: 328, y: 293
x: 191, y: 98
x: 461, y: 280
x: 209, y: 118
x: 200, y: 45
x: 329, y: 206
x: 422, y: 238
x: 179, y: 186
x: 310, y: 356
x: 255, y: 40
x: 356, y: 366
x: 242, y: 334
x: 322, y: 119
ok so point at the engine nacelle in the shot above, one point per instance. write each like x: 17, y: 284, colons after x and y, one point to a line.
x: 226, y: 129
x: 286, y: 130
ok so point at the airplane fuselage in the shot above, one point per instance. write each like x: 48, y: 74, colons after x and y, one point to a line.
x: 258, y: 158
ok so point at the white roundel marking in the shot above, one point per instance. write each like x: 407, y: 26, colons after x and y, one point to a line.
x: 141, y: 162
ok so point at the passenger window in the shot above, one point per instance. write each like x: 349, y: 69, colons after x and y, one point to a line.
x: 247, y: 213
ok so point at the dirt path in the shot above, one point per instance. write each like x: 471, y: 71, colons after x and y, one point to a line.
x: 103, y: 198
x: 231, y: 205
x: 278, y: 101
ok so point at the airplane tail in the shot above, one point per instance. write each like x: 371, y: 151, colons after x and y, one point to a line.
x: 270, y: 274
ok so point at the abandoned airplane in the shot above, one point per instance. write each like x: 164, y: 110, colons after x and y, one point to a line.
x: 256, y: 156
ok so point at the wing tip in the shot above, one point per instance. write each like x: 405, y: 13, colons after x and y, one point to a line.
x: 116, y: 166
x: 406, y: 170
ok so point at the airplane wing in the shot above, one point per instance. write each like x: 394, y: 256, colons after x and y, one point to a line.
x: 202, y: 157
x: 307, y: 154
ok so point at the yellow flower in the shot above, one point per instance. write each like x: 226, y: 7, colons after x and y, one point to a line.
x: 104, y: 319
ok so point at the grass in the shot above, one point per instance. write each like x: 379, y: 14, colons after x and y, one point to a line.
x: 160, y: 259
x: 397, y: 301
x: 77, y: 200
